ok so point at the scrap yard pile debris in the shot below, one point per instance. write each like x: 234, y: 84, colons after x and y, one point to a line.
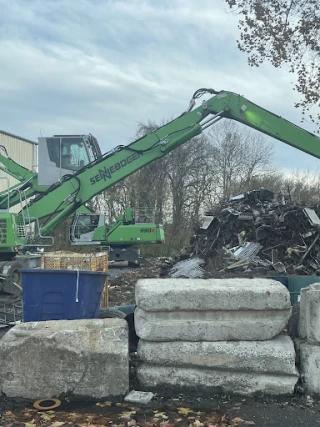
x: 259, y: 231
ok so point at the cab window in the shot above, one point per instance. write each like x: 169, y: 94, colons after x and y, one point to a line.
x: 69, y: 153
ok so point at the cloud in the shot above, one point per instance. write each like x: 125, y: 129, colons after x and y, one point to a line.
x: 102, y: 66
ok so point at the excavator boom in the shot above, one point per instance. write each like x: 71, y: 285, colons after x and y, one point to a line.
x: 27, y: 181
x: 238, y: 108
x: 64, y: 199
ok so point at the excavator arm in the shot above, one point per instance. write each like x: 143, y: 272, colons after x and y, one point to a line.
x: 13, y: 168
x: 64, y: 199
x: 236, y: 107
x: 28, y: 181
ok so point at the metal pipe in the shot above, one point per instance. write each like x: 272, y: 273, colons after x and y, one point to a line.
x: 211, y: 118
x: 211, y: 122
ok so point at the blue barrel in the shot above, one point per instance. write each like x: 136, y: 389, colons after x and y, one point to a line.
x: 61, y: 294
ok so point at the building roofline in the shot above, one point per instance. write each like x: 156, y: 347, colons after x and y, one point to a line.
x: 18, y: 137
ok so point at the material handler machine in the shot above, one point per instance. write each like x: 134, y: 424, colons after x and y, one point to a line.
x: 60, y: 157
x: 72, y: 174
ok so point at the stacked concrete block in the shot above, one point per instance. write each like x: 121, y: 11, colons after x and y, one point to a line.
x: 309, y: 332
x: 220, y: 333
x: 81, y: 358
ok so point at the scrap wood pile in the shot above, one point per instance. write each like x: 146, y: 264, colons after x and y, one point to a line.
x: 260, y: 231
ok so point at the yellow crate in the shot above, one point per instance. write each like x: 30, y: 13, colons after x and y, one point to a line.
x: 74, y: 261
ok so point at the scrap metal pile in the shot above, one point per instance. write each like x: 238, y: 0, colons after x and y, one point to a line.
x: 260, y: 231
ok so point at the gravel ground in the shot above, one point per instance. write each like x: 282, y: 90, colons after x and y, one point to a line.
x: 122, y: 282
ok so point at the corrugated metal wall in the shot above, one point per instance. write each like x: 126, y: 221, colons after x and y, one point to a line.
x: 22, y: 151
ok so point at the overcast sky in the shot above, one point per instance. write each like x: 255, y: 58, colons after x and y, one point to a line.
x: 102, y: 66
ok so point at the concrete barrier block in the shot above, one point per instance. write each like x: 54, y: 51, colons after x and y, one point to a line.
x: 210, y: 310
x: 88, y: 358
x: 309, y: 367
x: 309, y: 323
x: 244, y: 367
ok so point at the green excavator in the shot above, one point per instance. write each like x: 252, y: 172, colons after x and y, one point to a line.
x: 89, y: 178
x: 61, y: 156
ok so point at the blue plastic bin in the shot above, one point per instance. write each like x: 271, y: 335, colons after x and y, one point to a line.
x: 61, y: 294
x: 283, y: 279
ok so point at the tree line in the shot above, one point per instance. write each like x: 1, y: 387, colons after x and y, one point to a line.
x: 209, y: 169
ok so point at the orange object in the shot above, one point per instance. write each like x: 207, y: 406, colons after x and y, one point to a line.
x: 38, y: 404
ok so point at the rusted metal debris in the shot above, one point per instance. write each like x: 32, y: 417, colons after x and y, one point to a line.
x: 260, y: 231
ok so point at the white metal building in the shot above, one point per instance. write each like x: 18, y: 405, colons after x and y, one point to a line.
x: 21, y: 150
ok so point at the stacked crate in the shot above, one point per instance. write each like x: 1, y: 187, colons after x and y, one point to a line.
x: 75, y: 261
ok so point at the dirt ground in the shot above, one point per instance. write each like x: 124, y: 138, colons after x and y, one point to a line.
x: 122, y: 282
x: 167, y: 411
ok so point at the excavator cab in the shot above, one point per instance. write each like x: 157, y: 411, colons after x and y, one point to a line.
x: 83, y: 226
x: 64, y: 155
